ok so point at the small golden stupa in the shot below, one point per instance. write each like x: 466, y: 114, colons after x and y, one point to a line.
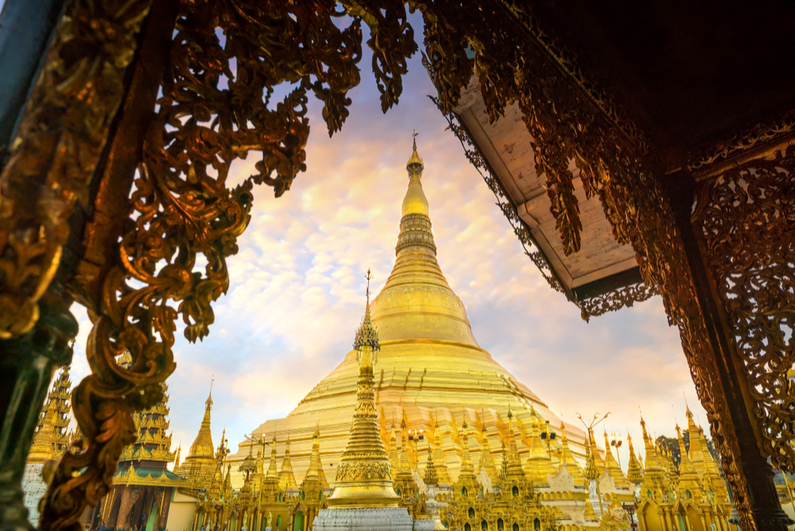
x: 364, y: 475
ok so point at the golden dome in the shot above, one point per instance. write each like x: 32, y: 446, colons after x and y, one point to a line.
x: 429, y: 365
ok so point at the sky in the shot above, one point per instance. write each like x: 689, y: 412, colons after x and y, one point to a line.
x: 297, y: 287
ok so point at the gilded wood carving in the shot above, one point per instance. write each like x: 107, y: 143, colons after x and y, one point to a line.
x: 57, y: 146
x: 747, y: 219
x: 217, y: 106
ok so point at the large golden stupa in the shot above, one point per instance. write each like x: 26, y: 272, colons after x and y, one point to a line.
x: 430, y: 372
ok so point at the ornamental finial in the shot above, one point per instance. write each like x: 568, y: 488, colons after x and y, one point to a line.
x: 366, y: 335
x: 415, y: 162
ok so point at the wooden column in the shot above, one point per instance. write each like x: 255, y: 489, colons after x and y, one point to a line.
x: 730, y: 388
x: 27, y: 365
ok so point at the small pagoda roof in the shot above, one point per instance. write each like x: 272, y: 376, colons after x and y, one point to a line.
x: 160, y: 477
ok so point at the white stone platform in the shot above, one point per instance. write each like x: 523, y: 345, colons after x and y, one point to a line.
x: 376, y: 519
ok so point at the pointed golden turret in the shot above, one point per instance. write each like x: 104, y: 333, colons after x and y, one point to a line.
x: 403, y: 483
x: 567, y: 457
x: 312, y: 482
x: 394, y: 458
x: 612, y: 468
x: 364, y: 475
x: 514, y: 470
x: 467, y: 483
x: 286, y: 475
x: 431, y: 477
x: 634, y: 470
x: 688, y: 478
x: 597, y: 459
x: 270, y: 484
x: 51, y: 439
x: 696, y: 449
x: 651, y: 453
x: 539, y: 463
x: 176, y: 457
x: 591, y: 471
x: 466, y: 460
x: 415, y: 201
x: 314, y: 459
x: 486, y: 459
x: 199, y: 465
x: 438, y: 458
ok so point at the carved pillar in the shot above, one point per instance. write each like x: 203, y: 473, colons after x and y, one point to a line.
x: 27, y: 365
x: 129, y: 496
x: 165, y: 505
x: 107, y: 507
x: 717, y: 365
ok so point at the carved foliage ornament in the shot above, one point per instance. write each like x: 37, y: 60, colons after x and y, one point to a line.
x: 217, y: 106
x: 57, y: 146
x: 570, y: 119
x: 747, y: 219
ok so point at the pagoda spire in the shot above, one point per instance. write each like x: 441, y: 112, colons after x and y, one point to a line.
x: 697, y: 450
x: 200, y: 463
x: 431, y: 477
x: 685, y: 466
x: 313, y: 481
x: 567, y: 458
x: 439, y: 461
x: 286, y: 475
x: 364, y: 475
x: 515, y: 470
x: 539, y: 464
x: 270, y: 485
x: 651, y: 453
x: 466, y: 461
x: 612, y: 468
x: 51, y: 439
x: 486, y: 459
x: 273, y: 470
x: 634, y: 470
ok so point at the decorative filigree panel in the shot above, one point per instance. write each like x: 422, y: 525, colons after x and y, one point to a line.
x: 570, y: 118
x: 57, y: 146
x: 614, y: 300
x: 217, y: 105
x: 593, y: 307
x: 747, y: 219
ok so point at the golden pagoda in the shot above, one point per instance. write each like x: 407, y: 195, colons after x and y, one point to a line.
x: 200, y: 464
x: 429, y: 364
x: 567, y: 458
x: 364, y: 475
x: 634, y: 469
x: 286, y: 474
x: 486, y: 458
x: 612, y: 468
x: 143, y: 487
x: 51, y: 440
x: 539, y: 463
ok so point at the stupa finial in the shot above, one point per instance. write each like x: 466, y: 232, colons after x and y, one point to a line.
x: 415, y: 159
x: 366, y: 335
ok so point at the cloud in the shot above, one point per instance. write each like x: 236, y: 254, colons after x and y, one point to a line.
x: 297, y: 287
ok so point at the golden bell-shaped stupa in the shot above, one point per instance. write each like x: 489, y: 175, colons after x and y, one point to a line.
x: 429, y: 365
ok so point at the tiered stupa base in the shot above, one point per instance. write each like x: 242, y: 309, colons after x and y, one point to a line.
x: 375, y: 519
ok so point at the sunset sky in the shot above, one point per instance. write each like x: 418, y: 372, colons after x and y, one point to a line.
x: 297, y: 287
